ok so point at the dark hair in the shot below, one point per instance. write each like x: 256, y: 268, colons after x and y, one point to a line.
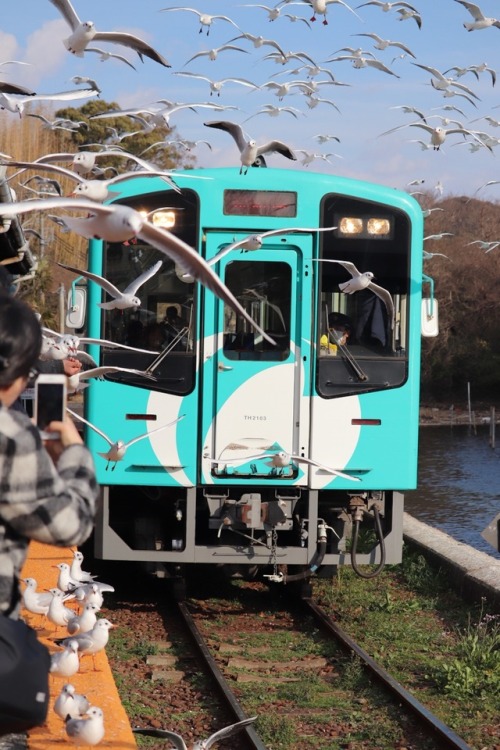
x: 340, y: 320
x: 20, y: 339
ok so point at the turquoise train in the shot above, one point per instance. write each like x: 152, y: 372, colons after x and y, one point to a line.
x: 285, y: 453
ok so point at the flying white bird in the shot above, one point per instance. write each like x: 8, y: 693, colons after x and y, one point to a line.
x: 438, y: 236
x: 118, y: 448
x: 249, y: 150
x: 212, y: 53
x: 118, y: 223
x: 205, y: 19
x: 75, y: 381
x: 282, y: 459
x: 429, y: 256
x: 258, y: 41
x: 177, y: 741
x: 84, y: 32
x: 320, y: 8
x: 106, y: 55
x: 94, y: 190
x: 386, y: 7
x: 121, y: 300
x: 382, y: 44
x: 255, y: 241
x: 87, y: 731
x: 480, y: 20
x: 216, y: 86
x: 70, y: 703
x: 17, y: 104
x: 483, y: 245
x: 363, y: 281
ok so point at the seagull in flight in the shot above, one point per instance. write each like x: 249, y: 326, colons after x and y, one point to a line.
x: 83, y: 32
x: 363, y: 281
x: 178, y: 742
x: 120, y: 223
x: 483, y: 245
x: 480, y: 20
x: 320, y: 8
x: 94, y: 190
x: 382, y: 44
x: 249, y: 150
x: 254, y: 241
x: 17, y: 104
x: 216, y: 86
x: 204, y: 18
x: 118, y: 448
x: 121, y: 300
x: 280, y: 460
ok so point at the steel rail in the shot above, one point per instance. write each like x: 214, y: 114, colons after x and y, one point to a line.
x: 445, y: 734
x: 217, y: 675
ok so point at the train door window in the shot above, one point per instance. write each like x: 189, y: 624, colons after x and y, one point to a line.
x: 264, y: 290
x: 362, y: 321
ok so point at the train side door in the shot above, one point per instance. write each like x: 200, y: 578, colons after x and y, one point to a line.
x: 252, y: 391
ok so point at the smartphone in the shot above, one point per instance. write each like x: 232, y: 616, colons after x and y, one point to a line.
x: 50, y: 402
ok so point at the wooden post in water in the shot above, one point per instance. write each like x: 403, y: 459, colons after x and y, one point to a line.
x: 492, y: 426
x: 469, y: 403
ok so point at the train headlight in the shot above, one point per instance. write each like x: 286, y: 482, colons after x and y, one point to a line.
x: 379, y: 227
x: 350, y: 225
x: 364, y: 227
x: 164, y: 218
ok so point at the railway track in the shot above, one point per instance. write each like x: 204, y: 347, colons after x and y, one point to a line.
x: 259, y: 650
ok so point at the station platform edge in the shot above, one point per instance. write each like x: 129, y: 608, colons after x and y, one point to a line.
x: 98, y: 685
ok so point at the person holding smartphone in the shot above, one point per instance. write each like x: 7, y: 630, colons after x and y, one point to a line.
x: 49, y: 490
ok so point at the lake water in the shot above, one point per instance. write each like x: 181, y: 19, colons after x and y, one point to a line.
x: 458, y: 483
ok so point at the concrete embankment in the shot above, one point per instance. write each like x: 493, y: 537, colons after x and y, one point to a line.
x: 474, y: 574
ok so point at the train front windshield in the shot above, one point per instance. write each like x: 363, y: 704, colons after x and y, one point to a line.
x: 362, y: 320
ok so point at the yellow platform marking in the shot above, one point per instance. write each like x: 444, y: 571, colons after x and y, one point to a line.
x: 98, y: 685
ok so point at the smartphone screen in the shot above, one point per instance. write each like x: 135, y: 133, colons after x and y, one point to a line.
x: 50, y: 403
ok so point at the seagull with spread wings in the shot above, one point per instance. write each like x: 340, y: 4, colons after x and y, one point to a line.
x: 364, y: 280
x: 206, y: 20
x: 121, y: 300
x: 120, y: 223
x: 178, y: 742
x: 118, y: 448
x: 84, y: 32
x: 249, y: 150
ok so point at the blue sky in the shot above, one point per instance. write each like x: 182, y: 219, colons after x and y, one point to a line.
x: 32, y: 31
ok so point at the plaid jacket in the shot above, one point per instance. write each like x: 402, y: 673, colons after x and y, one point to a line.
x: 37, y: 500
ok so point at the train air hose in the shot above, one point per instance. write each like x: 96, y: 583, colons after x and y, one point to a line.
x: 354, y: 545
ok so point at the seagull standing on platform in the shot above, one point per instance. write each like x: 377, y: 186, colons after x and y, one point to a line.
x: 249, y: 150
x: 70, y: 703
x: 89, y: 730
x: 65, y: 663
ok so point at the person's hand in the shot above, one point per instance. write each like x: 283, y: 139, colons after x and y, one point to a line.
x: 71, y: 366
x: 68, y: 435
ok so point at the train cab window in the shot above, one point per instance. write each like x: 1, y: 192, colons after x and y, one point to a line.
x: 264, y: 290
x: 158, y: 333
x: 363, y: 292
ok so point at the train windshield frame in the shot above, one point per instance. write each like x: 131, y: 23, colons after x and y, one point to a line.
x: 373, y: 355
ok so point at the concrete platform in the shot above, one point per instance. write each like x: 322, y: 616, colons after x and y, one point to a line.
x: 474, y: 574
